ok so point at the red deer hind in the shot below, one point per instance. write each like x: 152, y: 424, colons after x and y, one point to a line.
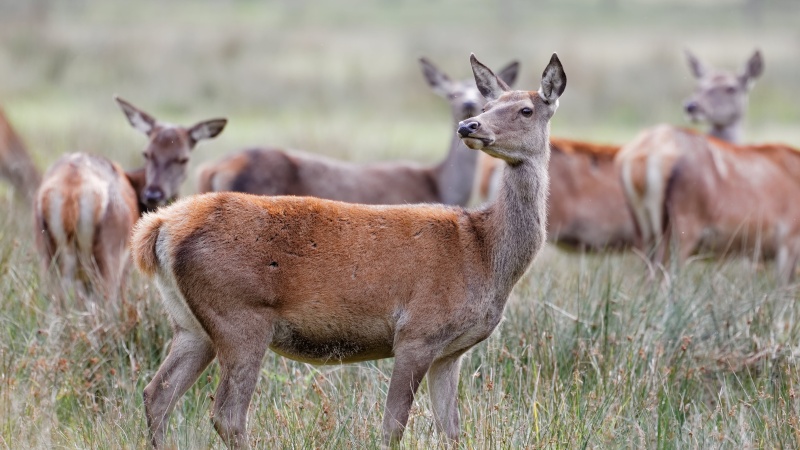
x: 275, y: 172
x: 86, y: 205
x: 328, y: 282
x: 16, y: 164
x: 645, y: 164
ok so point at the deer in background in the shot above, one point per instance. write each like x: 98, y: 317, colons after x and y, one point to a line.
x: 16, y: 164
x: 586, y: 207
x: 276, y: 172
x: 86, y: 205
x: 645, y: 164
x: 725, y: 199
x: 328, y: 282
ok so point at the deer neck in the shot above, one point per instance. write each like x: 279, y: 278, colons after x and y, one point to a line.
x: 137, y: 179
x: 731, y: 133
x: 455, y: 175
x: 518, y: 218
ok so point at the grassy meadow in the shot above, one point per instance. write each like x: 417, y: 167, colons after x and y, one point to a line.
x: 590, y: 355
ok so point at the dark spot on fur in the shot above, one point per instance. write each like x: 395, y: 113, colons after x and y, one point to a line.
x: 274, y: 264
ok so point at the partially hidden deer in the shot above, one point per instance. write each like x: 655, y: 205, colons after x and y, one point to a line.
x: 723, y: 199
x: 646, y: 163
x: 16, y: 164
x: 586, y: 210
x: 272, y: 171
x: 86, y: 205
x: 328, y: 282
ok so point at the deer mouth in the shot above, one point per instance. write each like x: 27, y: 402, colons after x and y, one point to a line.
x: 477, y: 143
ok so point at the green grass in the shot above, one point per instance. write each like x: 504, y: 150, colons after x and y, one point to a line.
x: 590, y: 355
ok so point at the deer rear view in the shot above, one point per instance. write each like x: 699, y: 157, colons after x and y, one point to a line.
x: 277, y: 172
x: 86, y: 205
x: 328, y: 282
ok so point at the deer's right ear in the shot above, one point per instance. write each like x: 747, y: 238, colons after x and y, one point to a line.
x: 697, y: 68
x: 138, y: 119
x: 509, y: 73
x: 554, y: 81
x: 490, y: 86
x: 437, y: 80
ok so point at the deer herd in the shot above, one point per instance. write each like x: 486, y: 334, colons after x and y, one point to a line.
x: 330, y: 262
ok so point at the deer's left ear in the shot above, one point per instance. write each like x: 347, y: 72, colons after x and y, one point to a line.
x: 488, y: 83
x: 207, y: 129
x: 554, y: 81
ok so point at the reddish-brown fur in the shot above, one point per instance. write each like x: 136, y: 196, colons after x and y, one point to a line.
x: 86, y: 205
x: 645, y: 164
x: 586, y: 207
x: 273, y: 171
x: 330, y: 282
x: 16, y: 164
x: 727, y: 199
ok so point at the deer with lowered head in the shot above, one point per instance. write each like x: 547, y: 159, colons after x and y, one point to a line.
x: 86, y: 205
x: 645, y: 164
x: 16, y: 164
x: 328, y: 282
x: 277, y: 172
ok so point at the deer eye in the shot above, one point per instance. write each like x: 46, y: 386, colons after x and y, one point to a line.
x: 730, y: 90
x: 527, y: 112
x: 182, y: 160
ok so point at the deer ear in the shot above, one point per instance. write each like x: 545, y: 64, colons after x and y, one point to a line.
x: 554, y: 81
x: 207, y: 129
x: 490, y: 86
x: 697, y: 68
x: 437, y: 80
x: 752, y: 70
x: 509, y: 73
x: 138, y: 119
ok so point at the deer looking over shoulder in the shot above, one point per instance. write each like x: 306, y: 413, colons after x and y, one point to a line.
x: 328, y: 282
x: 645, y: 163
x: 86, y: 205
x: 276, y: 172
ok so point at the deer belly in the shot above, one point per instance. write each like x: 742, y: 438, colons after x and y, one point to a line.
x: 331, y: 343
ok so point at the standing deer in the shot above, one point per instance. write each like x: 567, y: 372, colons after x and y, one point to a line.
x: 327, y: 282
x: 724, y: 199
x: 86, y: 205
x: 586, y: 207
x: 16, y: 164
x: 275, y: 172
x: 645, y: 163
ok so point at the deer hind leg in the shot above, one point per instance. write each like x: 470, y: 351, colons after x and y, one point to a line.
x: 443, y: 386
x: 240, y: 357
x: 410, y: 367
x: 189, y: 354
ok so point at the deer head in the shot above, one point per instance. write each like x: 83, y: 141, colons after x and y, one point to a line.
x: 512, y: 120
x: 167, y: 152
x: 721, y: 96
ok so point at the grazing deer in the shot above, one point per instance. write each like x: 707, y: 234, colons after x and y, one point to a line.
x: 328, y: 282
x: 275, y: 172
x: 86, y: 205
x: 725, y: 199
x: 16, y: 164
x: 646, y: 163
x: 586, y: 207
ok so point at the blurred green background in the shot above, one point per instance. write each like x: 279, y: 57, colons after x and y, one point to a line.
x: 342, y: 78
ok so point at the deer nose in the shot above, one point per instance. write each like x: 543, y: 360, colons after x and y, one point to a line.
x: 153, y: 195
x: 467, y: 128
x: 691, y: 107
